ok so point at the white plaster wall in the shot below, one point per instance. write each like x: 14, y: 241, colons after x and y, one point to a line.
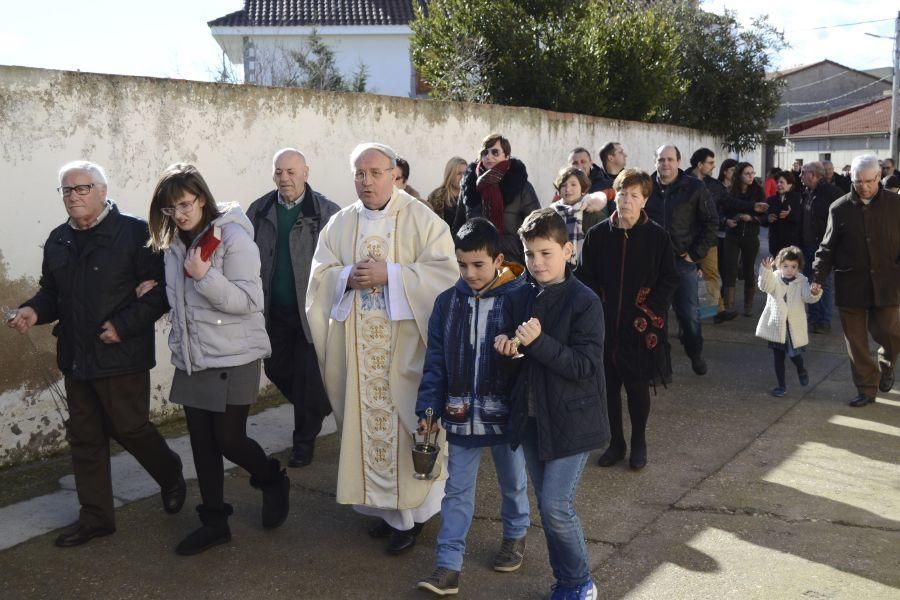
x: 135, y: 127
x: 843, y: 150
x: 386, y: 56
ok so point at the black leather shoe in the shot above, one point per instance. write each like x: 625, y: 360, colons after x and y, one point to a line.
x: 402, y: 541
x: 173, y: 496
x: 300, y: 457
x: 698, y: 365
x: 638, y: 458
x: 79, y: 534
x: 611, y: 456
x: 887, y: 377
x: 380, y: 529
x: 861, y: 400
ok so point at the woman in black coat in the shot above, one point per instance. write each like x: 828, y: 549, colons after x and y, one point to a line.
x: 496, y: 187
x: 628, y: 260
x: 744, y: 207
x: 785, y: 210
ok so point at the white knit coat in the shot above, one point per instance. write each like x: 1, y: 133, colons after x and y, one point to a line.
x: 778, y: 315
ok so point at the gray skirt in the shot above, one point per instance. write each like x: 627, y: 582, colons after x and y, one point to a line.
x: 213, y: 389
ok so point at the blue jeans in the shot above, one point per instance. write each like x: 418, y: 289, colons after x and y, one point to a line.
x: 820, y: 312
x: 555, y: 483
x: 458, y: 505
x: 686, y: 303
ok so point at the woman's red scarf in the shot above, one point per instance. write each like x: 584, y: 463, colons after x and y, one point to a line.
x: 488, y: 186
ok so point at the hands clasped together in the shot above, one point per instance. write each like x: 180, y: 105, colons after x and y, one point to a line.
x: 369, y: 273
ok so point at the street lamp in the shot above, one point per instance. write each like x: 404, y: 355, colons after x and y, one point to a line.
x: 895, y: 67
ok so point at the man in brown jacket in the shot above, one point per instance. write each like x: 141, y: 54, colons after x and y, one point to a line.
x: 862, y: 246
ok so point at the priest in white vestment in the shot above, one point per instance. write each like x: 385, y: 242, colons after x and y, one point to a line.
x: 378, y: 267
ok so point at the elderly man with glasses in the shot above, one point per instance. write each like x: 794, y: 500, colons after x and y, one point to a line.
x: 862, y: 247
x: 379, y: 266
x: 105, y: 344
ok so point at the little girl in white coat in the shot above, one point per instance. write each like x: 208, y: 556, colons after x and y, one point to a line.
x: 783, y: 321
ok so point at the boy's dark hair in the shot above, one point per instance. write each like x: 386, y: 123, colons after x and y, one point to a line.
x: 544, y: 223
x: 787, y: 176
x: 478, y: 234
x: 791, y: 253
x: 404, y: 168
x: 566, y: 172
x: 700, y: 155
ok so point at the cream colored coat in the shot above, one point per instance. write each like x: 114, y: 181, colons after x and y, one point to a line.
x: 424, y: 250
x: 779, y: 315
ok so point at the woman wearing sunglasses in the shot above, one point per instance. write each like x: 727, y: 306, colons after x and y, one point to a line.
x: 496, y: 187
x: 218, y: 340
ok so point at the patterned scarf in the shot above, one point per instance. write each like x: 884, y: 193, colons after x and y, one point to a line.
x: 573, y: 214
x: 488, y: 186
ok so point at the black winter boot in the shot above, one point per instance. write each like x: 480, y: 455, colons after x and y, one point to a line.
x: 213, y: 532
x: 276, y: 490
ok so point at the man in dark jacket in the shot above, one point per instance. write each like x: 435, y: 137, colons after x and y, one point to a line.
x: 497, y: 188
x: 613, y: 159
x: 105, y: 344
x: 813, y: 218
x: 703, y: 163
x: 680, y: 205
x: 580, y: 158
x: 287, y: 222
x: 862, y: 247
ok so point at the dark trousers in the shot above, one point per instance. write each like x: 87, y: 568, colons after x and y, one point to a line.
x: 818, y: 312
x: 740, y: 256
x: 294, y: 370
x: 778, y: 357
x: 638, y: 394
x: 118, y: 408
x: 883, y: 322
x: 214, y: 435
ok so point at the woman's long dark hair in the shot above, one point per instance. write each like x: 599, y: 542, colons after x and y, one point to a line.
x: 736, y: 181
x: 726, y: 164
x: 174, y: 182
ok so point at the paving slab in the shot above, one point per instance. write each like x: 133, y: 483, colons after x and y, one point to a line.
x: 699, y: 555
x: 823, y: 460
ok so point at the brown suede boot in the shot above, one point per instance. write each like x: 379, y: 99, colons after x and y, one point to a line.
x: 749, y: 295
x: 729, y: 313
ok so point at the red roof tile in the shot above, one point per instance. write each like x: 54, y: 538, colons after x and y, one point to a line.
x: 874, y: 117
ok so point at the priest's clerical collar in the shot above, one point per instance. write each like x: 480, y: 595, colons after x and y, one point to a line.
x: 378, y: 213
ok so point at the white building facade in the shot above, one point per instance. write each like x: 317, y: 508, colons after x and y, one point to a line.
x: 262, y: 39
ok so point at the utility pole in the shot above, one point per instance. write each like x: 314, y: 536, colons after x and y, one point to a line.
x: 896, y: 88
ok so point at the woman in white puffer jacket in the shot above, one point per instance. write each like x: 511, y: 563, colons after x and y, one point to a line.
x: 218, y: 340
x: 783, y: 320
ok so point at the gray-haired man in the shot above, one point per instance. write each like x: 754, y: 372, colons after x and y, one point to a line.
x: 105, y: 344
x: 287, y: 222
x: 379, y: 265
x: 861, y: 246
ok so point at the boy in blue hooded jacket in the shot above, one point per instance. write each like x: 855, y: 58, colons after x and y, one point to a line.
x: 467, y: 383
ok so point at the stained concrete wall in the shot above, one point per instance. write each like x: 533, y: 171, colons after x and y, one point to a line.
x: 135, y: 126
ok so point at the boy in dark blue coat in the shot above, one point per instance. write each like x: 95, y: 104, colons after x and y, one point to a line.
x: 467, y: 383
x: 559, y: 401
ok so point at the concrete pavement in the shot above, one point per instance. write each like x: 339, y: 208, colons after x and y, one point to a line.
x: 744, y: 496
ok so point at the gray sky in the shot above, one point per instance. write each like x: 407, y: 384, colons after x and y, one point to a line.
x: 169, y: 38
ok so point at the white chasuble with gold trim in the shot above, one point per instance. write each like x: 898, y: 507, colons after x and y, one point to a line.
x: 371, y: 348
